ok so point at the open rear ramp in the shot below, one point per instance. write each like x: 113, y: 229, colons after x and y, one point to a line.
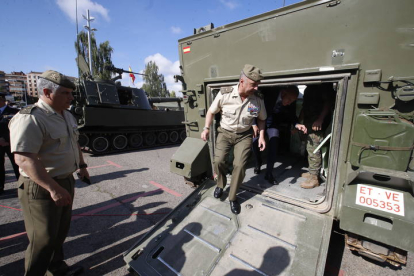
x: 202, y: 237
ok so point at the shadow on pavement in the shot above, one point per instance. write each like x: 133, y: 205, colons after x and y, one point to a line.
x: 95, y: 241
x: 110, y: 176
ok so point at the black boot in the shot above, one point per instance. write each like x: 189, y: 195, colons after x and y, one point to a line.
x: 271, y: 156
x: 271, y: 179
x: 218, y: 192
x: 74, y: 270
x: 235, y: 207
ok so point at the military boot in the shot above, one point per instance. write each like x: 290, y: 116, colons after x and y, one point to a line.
x: 305, y: 175
x: 311, y: 182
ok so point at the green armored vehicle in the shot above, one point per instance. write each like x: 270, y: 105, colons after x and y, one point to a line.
x: 365, y: 51
x: 115, y: 118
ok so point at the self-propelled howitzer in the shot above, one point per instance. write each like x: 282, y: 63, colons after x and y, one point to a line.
x: 113, y: 118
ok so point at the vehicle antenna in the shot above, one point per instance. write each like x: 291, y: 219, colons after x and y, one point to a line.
x: 77, y: 34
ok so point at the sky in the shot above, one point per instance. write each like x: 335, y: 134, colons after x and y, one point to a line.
x: 39, y: 35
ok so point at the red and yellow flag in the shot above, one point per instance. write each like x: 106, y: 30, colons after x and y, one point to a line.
x: 131, y: 75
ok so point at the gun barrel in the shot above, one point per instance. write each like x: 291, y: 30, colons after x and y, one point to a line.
x: 120, y: 70
x: 164, y: 100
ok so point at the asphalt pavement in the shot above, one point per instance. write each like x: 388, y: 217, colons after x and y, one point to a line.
x: 129, y: 194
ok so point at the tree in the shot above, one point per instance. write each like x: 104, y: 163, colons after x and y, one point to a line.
x: 101, y: 57
x: 172, y: 94
x: 154, y: 83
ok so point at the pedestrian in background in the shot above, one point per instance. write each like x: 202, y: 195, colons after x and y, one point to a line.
x: 6, y: 113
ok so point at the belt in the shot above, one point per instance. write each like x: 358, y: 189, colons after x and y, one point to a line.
x: 60, y: 177
x: 63, y: 176
x: 234, y: 132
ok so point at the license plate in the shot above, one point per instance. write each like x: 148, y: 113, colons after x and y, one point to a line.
x: 380, y: 199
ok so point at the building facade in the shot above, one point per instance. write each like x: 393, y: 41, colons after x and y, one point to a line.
x: 4, y: 85
x: 32, y: 78
x: 17, y: 85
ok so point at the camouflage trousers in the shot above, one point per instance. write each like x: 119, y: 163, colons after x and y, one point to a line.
x: 314, y: 159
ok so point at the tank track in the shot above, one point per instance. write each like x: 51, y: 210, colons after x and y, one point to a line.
x: 108, y: 142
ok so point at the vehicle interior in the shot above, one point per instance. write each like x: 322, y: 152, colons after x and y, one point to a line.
x: 291, y: 160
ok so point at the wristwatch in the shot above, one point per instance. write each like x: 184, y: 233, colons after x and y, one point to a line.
x: 83, y: 166
x: 204, y: 128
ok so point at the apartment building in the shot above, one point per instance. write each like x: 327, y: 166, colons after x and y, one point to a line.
x: 4, y: 86
x: 17, y: 85
x: 32, y: 78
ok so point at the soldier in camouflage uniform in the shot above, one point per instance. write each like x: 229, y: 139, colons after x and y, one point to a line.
x: 317, y: 103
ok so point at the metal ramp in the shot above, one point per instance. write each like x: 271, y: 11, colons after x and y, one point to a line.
x: 266, y: 238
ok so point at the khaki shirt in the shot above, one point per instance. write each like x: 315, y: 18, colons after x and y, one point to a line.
x: 52, y: 137
x: 237, y: 116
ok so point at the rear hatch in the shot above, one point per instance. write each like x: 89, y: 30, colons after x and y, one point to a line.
x: 202, y: 237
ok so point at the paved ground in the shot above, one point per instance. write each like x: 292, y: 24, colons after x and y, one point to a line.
x: 130, y: 193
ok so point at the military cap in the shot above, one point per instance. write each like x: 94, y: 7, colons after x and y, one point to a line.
x: 252, y: 72
x: 58, y: 78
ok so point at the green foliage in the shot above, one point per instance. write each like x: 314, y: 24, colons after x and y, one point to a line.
x: 154, y: 83
x: 101, y: 57
x: 172, y: 94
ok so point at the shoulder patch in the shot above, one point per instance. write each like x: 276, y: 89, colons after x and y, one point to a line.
x: 259, y: 94
x: 225, y: 90
x: 27, y: 109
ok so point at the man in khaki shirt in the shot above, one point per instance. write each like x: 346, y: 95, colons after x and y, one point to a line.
x: 44, y: 139
x: 239, y: 107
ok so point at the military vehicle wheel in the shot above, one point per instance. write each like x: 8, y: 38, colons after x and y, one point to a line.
x: 183, y: 135
x: 174, y: 136
x: 83, y: 140
x: 99, y: 144
x: 135, y: 140
x: 119, y: 142
x: 162, y: 137
x: 150, y: 138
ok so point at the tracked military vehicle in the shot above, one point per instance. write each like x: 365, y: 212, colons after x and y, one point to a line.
x: 364, y: 50
x: 115, y: 118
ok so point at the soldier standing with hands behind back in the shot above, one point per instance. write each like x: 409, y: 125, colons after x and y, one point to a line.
x: 44, y: 138
x: 6, y: 112
x: 239, y: 106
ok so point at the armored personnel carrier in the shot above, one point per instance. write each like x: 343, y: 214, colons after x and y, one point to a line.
x: 114, y: 118
x: 364, y: 50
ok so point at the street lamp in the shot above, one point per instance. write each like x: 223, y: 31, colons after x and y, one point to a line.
x: 89, y: 19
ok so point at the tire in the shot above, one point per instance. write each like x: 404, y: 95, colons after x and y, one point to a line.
x: 99, y: 144
x: 162, y: 137
x: 183, y: 135
x: 83, y: 140
x: 120, y: 142
x: 135, y: 140
x: 173, y: 137
x: 150, y: 138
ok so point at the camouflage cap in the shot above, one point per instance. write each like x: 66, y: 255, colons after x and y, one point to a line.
x: 58, y: 78
x: 252, y: 72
